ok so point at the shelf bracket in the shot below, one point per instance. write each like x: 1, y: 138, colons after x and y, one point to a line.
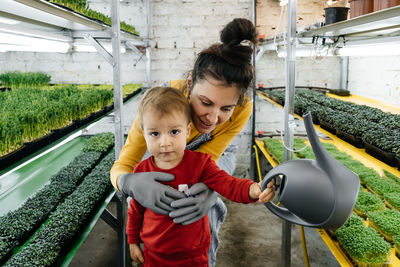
x: 260, y: 53
x: 136, y: 50
x: 110, y: 220
x: 102, y: 51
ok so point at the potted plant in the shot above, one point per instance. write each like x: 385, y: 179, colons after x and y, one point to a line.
x: 335, y: 11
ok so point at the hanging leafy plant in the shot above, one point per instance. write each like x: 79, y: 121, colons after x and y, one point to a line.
x: 82, y: 7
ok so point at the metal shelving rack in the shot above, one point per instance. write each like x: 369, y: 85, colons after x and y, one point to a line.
x: 44, y: 20
x: 379, y: 27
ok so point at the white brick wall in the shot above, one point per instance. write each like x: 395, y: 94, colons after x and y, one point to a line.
x: 182, y: 28
x: 321, y: 72
x: 377, y: 77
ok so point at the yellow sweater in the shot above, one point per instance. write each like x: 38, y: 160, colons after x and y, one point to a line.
x: 135, y: 146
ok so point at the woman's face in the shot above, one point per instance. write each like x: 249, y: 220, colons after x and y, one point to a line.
x: 212, y: 103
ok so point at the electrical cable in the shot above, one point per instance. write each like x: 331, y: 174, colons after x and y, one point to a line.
x: 258, y: 163
x: 303, y: 242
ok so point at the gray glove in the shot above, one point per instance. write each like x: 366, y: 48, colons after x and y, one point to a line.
x: 146, y: 189
x: 191, y: 209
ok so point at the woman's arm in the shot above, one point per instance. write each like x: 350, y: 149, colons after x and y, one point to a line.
x: 131, y: 154
x: 144, y: 186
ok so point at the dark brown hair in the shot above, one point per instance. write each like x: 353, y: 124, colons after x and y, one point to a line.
x: 165, y: 100
x: 230, y: 61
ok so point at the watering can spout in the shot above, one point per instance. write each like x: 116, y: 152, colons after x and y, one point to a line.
x: 317, y: 193
x: 321, y: 155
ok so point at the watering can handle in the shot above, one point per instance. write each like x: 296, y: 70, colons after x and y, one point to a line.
x: 279, y: 211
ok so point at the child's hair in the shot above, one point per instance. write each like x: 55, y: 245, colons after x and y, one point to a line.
x: 230, y: 61
x: 165, y: 100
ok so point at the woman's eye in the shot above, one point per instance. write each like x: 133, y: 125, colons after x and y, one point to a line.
x: 227, y: 109
x: 154, y: 134
x: 174, y: 132
x: 206, y: 103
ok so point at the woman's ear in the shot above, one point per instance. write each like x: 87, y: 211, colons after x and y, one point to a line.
x: 189, y: 128
x: 189, y: 81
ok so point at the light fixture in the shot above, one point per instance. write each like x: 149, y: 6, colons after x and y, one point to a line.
x: 370, y: 50
x: 306, y: 51
x: 14, y: 42
x: 8, y: 21
x: 89, y: 48
x: 376, y: 47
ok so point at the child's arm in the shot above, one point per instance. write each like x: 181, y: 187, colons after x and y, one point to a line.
x: 134, y: 222
x: 136, y: 253
x: 265, y: 196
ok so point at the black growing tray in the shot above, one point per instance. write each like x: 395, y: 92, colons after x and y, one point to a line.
x: 387, y: 157
x: 398, y: 161
x: 327, y: 126
x: 352, y: 139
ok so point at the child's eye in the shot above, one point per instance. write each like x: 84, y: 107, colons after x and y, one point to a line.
x: 175, y: 132
x: 154, y: 134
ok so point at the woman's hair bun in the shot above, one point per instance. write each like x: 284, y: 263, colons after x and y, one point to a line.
x: 237, y: 37
x: 239, y: 30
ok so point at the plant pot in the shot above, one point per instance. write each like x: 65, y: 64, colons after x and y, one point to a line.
x: 327, y: 126
x: 335, y: 14
x: 352, y: 139
x: 361, y: 7
x: 382, y: 4
x: 384, y: 156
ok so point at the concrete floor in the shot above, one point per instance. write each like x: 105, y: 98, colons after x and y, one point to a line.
x: 250, y: 236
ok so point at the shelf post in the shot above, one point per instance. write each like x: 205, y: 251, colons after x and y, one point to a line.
x: 118, y: 105
x: 344, y: 71
x: 290, y: 64
x: 253, y: 98
x: 148, y: 43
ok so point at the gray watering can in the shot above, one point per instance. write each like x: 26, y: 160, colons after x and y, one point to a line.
x: 317, y: 193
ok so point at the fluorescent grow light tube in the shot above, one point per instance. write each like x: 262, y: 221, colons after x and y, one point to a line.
x: 14, y: 42
x: 377, y: 47
x: 89, y: 48
x: 371, y: 50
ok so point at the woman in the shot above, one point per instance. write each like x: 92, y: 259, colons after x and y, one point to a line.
x: 216, y: 89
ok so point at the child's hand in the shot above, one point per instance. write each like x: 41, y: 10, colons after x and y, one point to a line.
x: 255, y: 191
x: 136, y: 253
x: 268, y: 194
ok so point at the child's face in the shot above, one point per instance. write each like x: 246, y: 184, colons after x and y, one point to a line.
x: 165, y: 136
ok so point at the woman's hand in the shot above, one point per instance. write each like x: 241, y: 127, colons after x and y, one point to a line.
x: 191, y: 209
x: 265, y: 196
x: 146, y: 189
x: 136, y: 253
